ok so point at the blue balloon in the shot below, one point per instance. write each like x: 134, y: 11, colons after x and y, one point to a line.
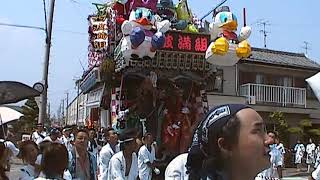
x: 137, y: 36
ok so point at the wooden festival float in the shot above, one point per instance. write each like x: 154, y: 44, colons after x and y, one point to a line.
x: 151, y: 61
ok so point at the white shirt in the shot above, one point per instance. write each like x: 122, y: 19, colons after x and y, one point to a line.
x: 104, y: 157
x: 67, y: 141
x: 144, y: 156
x: 176, y: 170
x: 311, y: 148
x: 48, y: 138
x: 37, y: 138
x: 27, y: 172
x: 280, y: 147
x: 8, y: 144
x: 94, y: 150
x: 117, y: 167
x: 316, y: 174
x: 275, y: 160
x: 39, y: 159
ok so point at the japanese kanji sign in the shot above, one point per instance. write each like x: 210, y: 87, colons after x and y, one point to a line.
x: 186, y: 42
x: 98, y: 31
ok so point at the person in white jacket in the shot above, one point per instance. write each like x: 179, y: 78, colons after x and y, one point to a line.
x: 299, y: 150
x: 67, y: 137
x: 107, y: 152
x: 146, y: 158
x: 124, y: 165
x: 310, y: 150
x: 39, y: 134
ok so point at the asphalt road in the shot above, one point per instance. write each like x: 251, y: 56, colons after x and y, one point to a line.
x: 288, y: 173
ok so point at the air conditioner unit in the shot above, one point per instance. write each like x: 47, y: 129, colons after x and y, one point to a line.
x: 251, y: 100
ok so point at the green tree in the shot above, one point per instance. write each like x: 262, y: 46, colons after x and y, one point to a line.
x: 304, y: 130
x: 30, y: 111
x: 280, y: 125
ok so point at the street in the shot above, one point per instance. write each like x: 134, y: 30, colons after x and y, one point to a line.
x: 288, y: 173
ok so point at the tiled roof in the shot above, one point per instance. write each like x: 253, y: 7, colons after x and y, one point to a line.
x: 282, y: 58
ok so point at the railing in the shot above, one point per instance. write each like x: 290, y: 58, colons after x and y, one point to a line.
x: 274, y: 95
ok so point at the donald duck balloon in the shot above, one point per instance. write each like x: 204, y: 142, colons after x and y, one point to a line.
x: 227, y: 47
x: 143, y: 35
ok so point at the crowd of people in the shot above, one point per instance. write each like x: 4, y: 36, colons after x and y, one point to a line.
x: 82, y: 154
x: 228, y: 136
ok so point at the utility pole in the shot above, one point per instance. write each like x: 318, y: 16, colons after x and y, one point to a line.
x: 78, y: 93
x: 264, y: 32
x: 65, y: 122
x: 44, y: 94
x: 67, y: 111
x: 49, y: 113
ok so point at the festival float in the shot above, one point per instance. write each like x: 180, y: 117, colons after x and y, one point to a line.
x: 149, y: 61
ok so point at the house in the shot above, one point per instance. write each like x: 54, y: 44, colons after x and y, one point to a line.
x: 269, y: 81
x: 77, y: 111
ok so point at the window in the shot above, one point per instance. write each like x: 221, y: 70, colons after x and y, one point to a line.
x: 288, y: 82
x: 260, y: 79
x: 215, y: 82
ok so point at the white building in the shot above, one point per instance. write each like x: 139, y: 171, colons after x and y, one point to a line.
x: 82, y: 113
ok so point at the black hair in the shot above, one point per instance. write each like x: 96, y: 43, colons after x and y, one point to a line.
x: 82, y: 130
x: 275, y: 134
x: 127, y: 134
x: 53, y: 165
x: 146, y: 135
x: 107, y: 132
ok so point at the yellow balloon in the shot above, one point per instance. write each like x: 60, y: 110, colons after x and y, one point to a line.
x: 220, y: 46
x: 243, y: 50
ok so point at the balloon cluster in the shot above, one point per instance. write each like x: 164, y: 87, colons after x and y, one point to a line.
x: 144, y: 22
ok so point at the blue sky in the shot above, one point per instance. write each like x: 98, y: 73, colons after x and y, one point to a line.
x: 21, y: 50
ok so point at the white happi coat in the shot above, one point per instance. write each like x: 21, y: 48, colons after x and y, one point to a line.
x: 282, y: 151
x: 48, y: 138
x: 275, y: 160
x: 67, y: 141
x: 27, y: 173
x: 105, y: 155
x: 117, y: 167
x: 316, y: 173
x: 144, y: 156
x: 299, y: 149
x: 310, y: 153
x: 35, y: 137
x: 317, y: 154
x: 176, y: 170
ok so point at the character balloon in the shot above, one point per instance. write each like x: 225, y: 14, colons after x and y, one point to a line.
x: 227, y: 47
x: 143, y: 34
x: 184, y: 14
x: 122, y: 8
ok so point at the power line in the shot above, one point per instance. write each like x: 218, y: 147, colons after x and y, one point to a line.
x: 40, y: 28
x: 22, y: 26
